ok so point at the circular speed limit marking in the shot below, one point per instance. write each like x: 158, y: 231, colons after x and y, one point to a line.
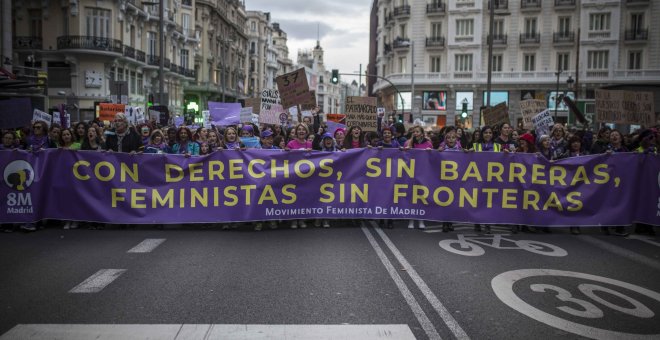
x: 503, y: 288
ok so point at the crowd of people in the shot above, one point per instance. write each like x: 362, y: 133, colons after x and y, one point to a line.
x: 313, y: 134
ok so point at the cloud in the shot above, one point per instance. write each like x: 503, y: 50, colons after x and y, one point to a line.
x: 303, y: 30
x: 295, y: 8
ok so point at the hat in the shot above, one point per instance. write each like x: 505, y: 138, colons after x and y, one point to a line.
x: 528, y: 138
x: 340, y: 129
x: 248, y: 128
x: 266, y: 133
x: 326, y: 135
x: 543, y: 137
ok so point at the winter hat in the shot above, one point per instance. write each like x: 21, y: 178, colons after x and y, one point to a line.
x: 528, y: 138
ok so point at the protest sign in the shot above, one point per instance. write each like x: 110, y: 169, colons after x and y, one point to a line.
x: 625, y: 107
x: 56, y: 118
x: 496, y: 115
x: 16, y: 112
x: 107, y: 111
x: 361, y: 111
x: 543, y: 122
x: 41, y: 116
x: 271, y: 115
x: 206, y: 118
x: 293, y: 88
x: 178, y: 121
x: 154, y: 115
x: 225, y: 114
x: 529, y: 108
x: 310, y: 103
x: 254, y: 103
x: 271, y: 107
x: 246, y: 114
x: 164, y: 113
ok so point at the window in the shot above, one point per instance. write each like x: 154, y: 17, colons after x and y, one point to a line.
x: 564, y: 26
x: 98, y: 23
x: 463, y: 63
x: 498, y: 28
x: 436, y: 30
x: 563, y: 61
x: 402, y: 31
x: 529, y: 64
x: 65, y: 21
x: 253, y: 48
x: 120, y: 74
x: 402, y: 65
x: 35, y: 22
x: 185, y: 21
x: 637, y: 22
x: 436, y: 65
x: 497, y: 63
x: 599, y: 22
x: 530, y: 27
x: 598, y: 60
x: 184, y: 58
x: 151, y: 43
x: 133, y: 82
x: 253, y: 26
x: 464, y: 28
x: 140, y: 84
x: 59, y: 74
x: 635, y: 60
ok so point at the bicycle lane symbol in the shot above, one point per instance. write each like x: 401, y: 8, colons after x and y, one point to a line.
x: 469, y: 245
x: 503, y: 286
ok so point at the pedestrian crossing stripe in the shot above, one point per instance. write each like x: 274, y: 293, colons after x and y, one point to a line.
x: 207, y: 331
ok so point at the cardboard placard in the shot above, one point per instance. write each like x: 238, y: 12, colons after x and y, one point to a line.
x: 336, y: 117
x: 361, y: 111
x: 246, y: 114
x: 310, y: 102
x: 56, y: 118
x: 293, y: 88
x: 254, y: 103
x: 108, y: 111
x: 625, y: 107
x: 271, y: 107
x: 496, y: 115
x: 529, y: 108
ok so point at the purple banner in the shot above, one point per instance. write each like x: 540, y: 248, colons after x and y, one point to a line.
x: 224, y: 114
x: 257, y: 185
x: 16, y: 112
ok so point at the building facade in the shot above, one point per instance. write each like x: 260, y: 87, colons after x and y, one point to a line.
x: 284, y: 63
x: 100, y: 51
x: 539, y: 48
x: 263, y: 65
x: 328, y: 95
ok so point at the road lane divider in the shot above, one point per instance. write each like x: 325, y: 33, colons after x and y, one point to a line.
x: 98, y: 281
x: 147, y: 246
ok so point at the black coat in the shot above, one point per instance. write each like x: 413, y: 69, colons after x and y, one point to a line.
x: 131, y: 142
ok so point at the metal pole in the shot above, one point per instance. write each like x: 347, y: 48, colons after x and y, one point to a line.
x: 559, y: 71
x: 360, y: 81
x: 161, y: 66
x: 412, y: 79
x: 489, y: 80
x: 222, y: 75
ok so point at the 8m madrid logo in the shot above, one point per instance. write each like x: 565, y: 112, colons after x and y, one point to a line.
x: 19, y: 175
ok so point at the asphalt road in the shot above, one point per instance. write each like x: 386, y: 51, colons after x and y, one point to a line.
x: 401, y: 281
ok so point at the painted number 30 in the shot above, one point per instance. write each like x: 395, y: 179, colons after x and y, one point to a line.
x: 588, y: 309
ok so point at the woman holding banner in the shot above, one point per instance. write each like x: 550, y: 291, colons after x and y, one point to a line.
x: 417, y: 141
x: 299, y: 143
x: 451, y: 144
x: 184, y: 145
x: 353, y: 138
x: 38, y: 139
x: 231, y: 140
x: 485, y: 144
x: 92, y: 140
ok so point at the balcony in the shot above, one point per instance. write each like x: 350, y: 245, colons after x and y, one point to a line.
x: 435, y: 42
x: 563, y: 37
x: 530, y: 5
x: 89, y: 43
x: 387, y: 48
x: 190, y: 73
x: 564, y: 4
x: 499, y: 39
x: 129, y: 52
x: 401, y: 12
x: 530, y: 38
x: 154, y: 60
x: 436, y: 8
x: 27, y: 43
x: 637, y: 2
x: 500, y: 4
x: 389, y: 20
x: 637, y: 35
x: 400, y: 43
x: 140, y: 56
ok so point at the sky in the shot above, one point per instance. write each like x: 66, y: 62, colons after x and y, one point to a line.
x: 343, y: 29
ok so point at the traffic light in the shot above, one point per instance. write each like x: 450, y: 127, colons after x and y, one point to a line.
x: 464, y: 112
x: 335, y: 76
x: 150, y: 100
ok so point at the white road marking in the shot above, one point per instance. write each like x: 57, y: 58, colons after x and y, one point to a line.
x: 503, y: 287
x: 146, y: 246
x: 449, y: 320
x: 423, y: 319
x: 622, y: 252
x: 191, y: 331
x: 98, y: 281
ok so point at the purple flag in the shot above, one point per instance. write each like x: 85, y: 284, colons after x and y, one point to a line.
x: 224, y: 114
